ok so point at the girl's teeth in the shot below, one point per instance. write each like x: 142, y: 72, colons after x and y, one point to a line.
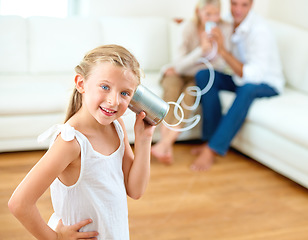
x: 107, y: 110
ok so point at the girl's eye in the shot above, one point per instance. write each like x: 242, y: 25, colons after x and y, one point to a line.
x: 105, y: 87
x: 125, y: 93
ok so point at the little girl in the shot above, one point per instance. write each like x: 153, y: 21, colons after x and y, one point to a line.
x: 90, y: 166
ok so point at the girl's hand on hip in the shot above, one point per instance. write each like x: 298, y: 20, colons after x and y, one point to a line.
x: 72, y: 232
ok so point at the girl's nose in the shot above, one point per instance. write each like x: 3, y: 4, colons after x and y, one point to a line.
x: 113, y: 99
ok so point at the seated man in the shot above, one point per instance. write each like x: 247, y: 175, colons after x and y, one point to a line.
x: 255, y: 62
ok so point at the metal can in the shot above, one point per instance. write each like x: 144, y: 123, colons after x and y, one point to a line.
x: 154, y: 107
x: 209, y: 26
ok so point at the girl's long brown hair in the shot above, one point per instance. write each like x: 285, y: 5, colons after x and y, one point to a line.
x: 115, y: 54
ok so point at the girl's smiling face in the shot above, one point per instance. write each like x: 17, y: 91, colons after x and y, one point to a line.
x: 107, y: 91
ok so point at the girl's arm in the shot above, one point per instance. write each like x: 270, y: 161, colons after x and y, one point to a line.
x: 137, y: 168
x: 23, y: 201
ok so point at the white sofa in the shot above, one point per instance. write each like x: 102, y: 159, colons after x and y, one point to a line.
x: 276, y: 130
x: 38, y: 55
x: 37, y: 60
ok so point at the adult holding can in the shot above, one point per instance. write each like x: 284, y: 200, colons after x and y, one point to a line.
x: 255, y: 62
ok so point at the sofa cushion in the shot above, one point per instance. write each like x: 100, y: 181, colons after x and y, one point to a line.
x: 175, y: 36
x: 151, y: 80
x: 27, y: 126
x: 13, y: 42
x: 285, y: 115
x: 145, y: 37
x: 292, y: 43
x: 57, y: 45
x: 25, y: 95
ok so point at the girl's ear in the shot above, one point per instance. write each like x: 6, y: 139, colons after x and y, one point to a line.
x: 79, y: 82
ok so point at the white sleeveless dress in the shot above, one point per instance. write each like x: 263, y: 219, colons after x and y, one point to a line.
x: 98, y: 194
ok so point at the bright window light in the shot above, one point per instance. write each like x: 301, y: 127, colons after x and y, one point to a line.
x: 27, y: 8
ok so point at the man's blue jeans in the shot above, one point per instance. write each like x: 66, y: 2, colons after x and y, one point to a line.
x: 217, y: 129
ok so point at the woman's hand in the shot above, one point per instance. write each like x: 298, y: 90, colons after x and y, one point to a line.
x: 72, y: 232
x: 206, y: 43
x: 218, y: 37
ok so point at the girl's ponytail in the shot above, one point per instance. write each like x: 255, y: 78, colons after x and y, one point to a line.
x: 74, y: 105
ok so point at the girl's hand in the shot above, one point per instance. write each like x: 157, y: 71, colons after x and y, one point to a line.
x: 71, y: 232
x: 142, y: 128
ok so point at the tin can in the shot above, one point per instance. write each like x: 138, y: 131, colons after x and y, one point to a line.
x: 154, y: 107
x: 209, y: 26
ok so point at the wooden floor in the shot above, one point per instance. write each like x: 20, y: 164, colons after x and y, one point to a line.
x: 238, y: 199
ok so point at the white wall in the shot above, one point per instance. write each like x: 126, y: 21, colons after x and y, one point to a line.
x: 290, y: 11
x: 165, y: 8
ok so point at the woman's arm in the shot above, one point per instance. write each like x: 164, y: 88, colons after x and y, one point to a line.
x: 23, y: 201
x: 188, y: 51
x: 137, y: 168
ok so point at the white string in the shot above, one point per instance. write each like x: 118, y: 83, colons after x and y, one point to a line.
x: 193, y: 91
x: 180, y: 119
x: 195, y: 118
x: 190, y: 91
x: 213, y: 51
